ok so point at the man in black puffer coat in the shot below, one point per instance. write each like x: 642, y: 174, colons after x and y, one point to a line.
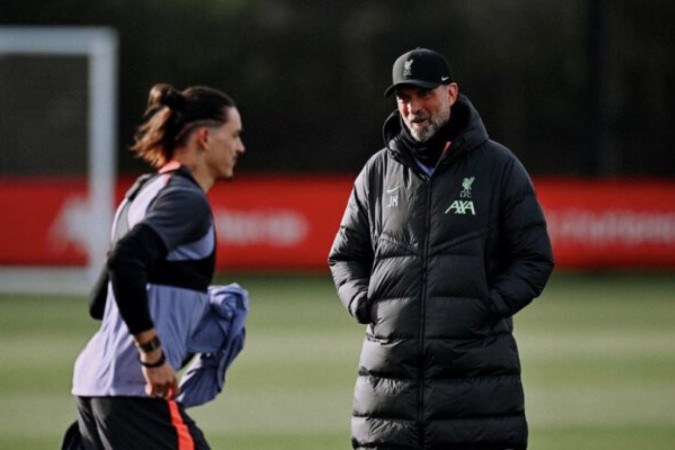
x: 442, y: 242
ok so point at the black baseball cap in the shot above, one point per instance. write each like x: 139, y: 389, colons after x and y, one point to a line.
x: 420, y: 67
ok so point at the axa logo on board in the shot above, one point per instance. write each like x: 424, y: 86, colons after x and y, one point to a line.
x: 276, y: 228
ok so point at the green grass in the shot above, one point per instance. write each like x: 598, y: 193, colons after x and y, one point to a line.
x: 598, y: 357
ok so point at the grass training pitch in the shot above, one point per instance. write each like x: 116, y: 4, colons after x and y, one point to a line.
x: 598, y: 356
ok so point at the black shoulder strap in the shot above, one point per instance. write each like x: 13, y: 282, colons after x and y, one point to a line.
x: 122, y: 224
x: 99, y: 292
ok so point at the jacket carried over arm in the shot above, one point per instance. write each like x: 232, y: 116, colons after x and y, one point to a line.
x: 218, y: 339
x: 437, y: 265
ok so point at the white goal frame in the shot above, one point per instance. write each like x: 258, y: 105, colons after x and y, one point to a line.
x: 99, y: 45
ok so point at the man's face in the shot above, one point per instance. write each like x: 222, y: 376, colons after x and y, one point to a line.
x: 225, y: 146
x: 424, y: 111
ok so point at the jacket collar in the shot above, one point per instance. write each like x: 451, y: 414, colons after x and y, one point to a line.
x: 464, y: 117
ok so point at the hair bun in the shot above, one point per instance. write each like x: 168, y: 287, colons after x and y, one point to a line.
x: 167, y: 95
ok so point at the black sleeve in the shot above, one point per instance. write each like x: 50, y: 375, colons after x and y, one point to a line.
x: 98, y: 295
x: 525, y: 245
x: 128, y: 268
x: 351, y: 255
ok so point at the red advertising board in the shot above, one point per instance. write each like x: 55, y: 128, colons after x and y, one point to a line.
x: 288, y: 222
x: 610, y: 224
x: 278, y: 223
x: 42, y: 222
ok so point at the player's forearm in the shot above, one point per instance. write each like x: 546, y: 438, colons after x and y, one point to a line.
x: 128, y: 266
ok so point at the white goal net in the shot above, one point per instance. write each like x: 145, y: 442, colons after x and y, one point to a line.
x: 58, y: 119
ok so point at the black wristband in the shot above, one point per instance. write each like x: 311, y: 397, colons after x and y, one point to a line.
x: 160, y: 362
x: 151, y: 345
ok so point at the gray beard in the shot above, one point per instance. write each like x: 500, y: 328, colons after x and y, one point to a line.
x: 423, y: 135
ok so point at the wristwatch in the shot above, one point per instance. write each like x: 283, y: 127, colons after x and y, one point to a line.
x: 151, y: 345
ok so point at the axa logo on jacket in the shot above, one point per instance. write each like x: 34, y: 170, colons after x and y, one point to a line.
x: 463, y: 205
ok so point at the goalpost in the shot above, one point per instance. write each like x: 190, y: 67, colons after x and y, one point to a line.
x: 98, y: 46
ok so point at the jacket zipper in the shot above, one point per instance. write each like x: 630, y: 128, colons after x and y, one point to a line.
x: 425, y: 273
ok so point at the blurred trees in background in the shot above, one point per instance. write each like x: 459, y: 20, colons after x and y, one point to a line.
x: 582, y: 87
